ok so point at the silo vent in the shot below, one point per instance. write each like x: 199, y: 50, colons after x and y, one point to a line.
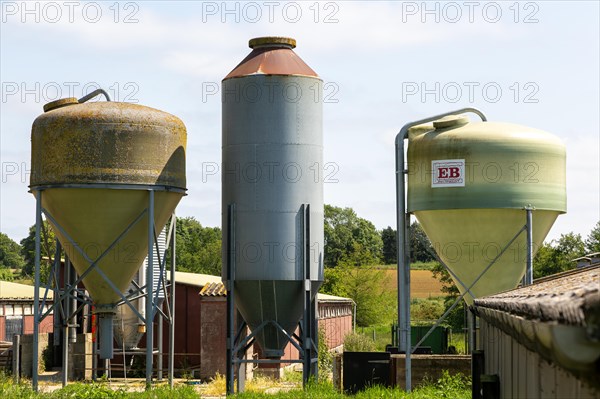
x: 60, y: 103
x: 451, y: 121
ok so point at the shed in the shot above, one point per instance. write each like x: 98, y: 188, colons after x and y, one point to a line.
x: 201, y: 320
x: 543, y: 340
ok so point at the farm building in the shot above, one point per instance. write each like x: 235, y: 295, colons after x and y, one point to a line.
x: 200, y: 321
x: 543, y: 340
x: 16, y: 310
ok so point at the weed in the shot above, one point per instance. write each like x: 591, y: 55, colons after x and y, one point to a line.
x: 355, y: 342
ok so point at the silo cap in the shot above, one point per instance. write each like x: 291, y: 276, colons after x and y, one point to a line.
x: 451, y: 121
x: 272, y: 41
x: 60, y: 103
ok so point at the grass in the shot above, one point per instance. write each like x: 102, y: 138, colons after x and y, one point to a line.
x: 381, y: 335
x: 458, y: 340
x: 450, y: 387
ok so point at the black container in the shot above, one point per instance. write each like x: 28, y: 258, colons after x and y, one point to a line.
x: 365, y: 369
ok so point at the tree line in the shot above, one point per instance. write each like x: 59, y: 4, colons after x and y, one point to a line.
x: 353, y: 257
x: 349, y: 241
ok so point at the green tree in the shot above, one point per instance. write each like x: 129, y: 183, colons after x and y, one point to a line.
x: 356, y: 278
x: 456, y: 317
x: 10, y: 253
x: 420, y: 247
x: 198, y: 248
x: 343, y: 230
x: 557, y: 256
x: 592, y: 243
x: 390, y: 252
x: 6, y: 274
x: 47, y: 249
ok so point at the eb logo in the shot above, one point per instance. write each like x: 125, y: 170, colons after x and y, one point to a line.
x: 448, y: 173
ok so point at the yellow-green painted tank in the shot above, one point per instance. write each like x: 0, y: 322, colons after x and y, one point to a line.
x: 469, y: 185
x: 94, y: 164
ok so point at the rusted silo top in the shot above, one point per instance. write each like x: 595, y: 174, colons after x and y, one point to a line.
x: 272, y: 55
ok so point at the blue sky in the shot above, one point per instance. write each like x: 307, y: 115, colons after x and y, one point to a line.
x: 375, y: 58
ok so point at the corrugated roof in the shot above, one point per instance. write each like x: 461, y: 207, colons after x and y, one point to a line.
x: 194, y: 279
x: 557, y: 317
x: 10, y: 290
x: 568, y: 298
x: 213, y: 289
x: 218, y: 289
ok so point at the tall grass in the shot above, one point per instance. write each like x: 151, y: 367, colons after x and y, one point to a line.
x: 449, y: 387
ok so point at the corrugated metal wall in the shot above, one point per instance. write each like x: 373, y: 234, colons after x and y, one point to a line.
x: 525, y: 374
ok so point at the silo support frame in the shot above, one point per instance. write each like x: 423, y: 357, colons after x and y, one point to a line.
x: 238, y: 343
x: 125, y: 299
x: 64, y: 301
x: 526, y: 228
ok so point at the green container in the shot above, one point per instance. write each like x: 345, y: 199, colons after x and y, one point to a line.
x: 437, y: 340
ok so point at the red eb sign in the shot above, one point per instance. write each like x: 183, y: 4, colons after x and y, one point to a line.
x: 448, y: 173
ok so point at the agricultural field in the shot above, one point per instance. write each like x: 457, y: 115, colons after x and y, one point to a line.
x: 422, y: 283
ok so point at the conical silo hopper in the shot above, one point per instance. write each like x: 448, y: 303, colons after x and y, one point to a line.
x: 272, y: 151
x: 469, y: 186
x: 94, y: 165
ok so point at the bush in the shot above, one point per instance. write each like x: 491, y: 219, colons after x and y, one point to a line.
x: 325, y: 358
x: 358, y: 343
x: 426, y: 309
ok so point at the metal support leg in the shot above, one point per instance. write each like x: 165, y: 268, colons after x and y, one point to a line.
x: 95, y: 366
x: 315, y: 339
x: 65, y: 331
x: 172, y: 302
x: 230, y: 274
x: 159, y: 359
x: 149, y: 291
x: 309, y: 328
x: 36, y: 300
x: 403, y: 266
x: 529, y: 226
x: 469, y: 331
x: 241, y: 368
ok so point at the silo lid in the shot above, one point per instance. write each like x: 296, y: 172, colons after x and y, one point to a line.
x: 451, y: 121
x: 272, y: 41
x: 60, y: 103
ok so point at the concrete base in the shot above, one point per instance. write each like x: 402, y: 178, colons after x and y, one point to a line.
x: 27, y: 354
x: 80, y: 358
